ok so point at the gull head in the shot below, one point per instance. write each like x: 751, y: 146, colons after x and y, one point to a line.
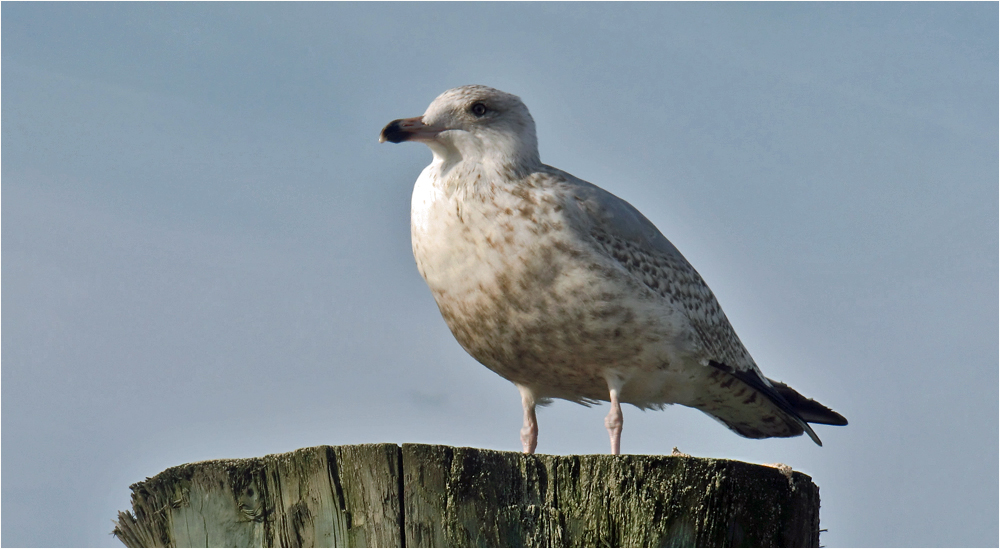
x: 474, y: 124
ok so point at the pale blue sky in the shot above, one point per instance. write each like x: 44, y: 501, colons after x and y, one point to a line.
x: 206, y: 251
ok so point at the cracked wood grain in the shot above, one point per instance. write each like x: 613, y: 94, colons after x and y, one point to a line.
x: 384, y: 495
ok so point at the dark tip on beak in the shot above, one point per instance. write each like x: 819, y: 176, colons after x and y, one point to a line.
x: 393, y: 132
x: 409, y: 129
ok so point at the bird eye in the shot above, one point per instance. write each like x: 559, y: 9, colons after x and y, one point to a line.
x: 478, y: 109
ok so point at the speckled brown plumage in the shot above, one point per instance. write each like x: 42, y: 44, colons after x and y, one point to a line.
x: 565, y: 289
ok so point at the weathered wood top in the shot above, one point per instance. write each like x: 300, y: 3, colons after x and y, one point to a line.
x: 439, y: 496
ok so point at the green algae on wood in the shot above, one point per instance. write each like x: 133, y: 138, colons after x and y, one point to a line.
x: 439, y: 496
x: 327, y: 496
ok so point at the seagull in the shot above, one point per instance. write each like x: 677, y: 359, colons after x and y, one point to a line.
x: 566, y: 290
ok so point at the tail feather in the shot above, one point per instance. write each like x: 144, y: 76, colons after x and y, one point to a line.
x: 807, y: 408
x: 746, y: 419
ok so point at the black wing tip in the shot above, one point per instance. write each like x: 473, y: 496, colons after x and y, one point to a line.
x: 835, y: 419
x: 803, y: 410
x: 807, y: 408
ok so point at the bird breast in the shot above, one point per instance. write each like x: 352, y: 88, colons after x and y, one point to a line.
x: 525, y: 294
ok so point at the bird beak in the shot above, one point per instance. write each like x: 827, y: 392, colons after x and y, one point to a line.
x: 408, y: 129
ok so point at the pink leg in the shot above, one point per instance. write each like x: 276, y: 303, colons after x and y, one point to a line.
x: 529, y: 432
x: 614, y: 419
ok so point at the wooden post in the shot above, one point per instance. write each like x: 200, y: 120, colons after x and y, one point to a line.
x: 439, y: 496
